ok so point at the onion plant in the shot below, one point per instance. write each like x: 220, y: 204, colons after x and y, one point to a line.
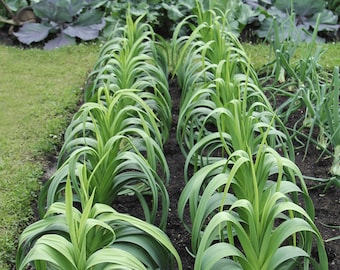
x: 310, y: 89
x: 95, y: 237
x: 332, y: 110
x: 317, y: 93
x: 116, y: 143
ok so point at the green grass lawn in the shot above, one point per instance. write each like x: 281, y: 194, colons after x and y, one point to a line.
x: 39, y: 92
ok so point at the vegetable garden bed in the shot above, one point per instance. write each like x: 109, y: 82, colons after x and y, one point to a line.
x: 326, y: 201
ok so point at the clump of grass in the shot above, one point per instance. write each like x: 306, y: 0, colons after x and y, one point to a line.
x: 39, y: 92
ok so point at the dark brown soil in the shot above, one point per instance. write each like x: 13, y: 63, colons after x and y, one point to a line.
x: 326, y: 202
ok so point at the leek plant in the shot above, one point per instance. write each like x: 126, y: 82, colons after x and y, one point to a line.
x: 124, y: 113
x: 237, y: 128
x: 242, y: 186
x: 97, y: 237
x: 131, y: 59
x: 116, y: 143
x: 113, y: 147
x: 245, y: 214
x: 213, y: 70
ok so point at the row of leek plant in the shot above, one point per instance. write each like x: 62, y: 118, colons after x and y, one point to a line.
x: 113, y: 147
x: 244, y: 193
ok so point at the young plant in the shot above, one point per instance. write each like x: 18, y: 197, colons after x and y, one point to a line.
x: 317, y: 94
x: 307, y: 89
x: 331, y: 123
x: 95, y: 237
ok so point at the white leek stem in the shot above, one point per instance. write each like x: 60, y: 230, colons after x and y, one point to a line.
x: 335, y: 169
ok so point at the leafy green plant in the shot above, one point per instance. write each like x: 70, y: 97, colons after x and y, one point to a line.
x: 95, y: 237
x: 235, y: 14
x: 67, y: 20
x: 13, y: 12
x: 159, y: 14
x: 334, y: 5
x: 297, y: 19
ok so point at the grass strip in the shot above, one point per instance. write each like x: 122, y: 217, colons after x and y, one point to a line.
x: 39, y: 92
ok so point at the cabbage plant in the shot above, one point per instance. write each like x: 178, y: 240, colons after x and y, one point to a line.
x: 297, y: 20
x: 62, y: 22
